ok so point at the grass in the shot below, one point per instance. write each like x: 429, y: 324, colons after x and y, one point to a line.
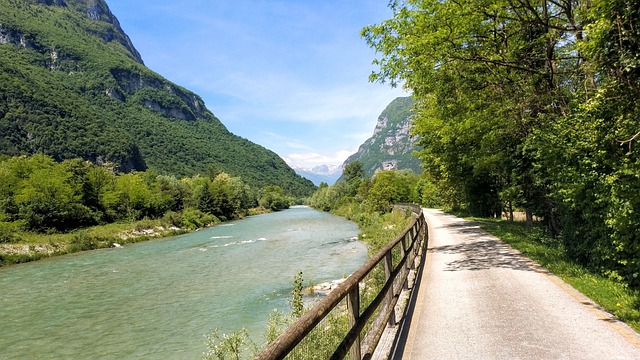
x: 615, y: 297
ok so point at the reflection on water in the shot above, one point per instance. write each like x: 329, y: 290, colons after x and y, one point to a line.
x: 156, y: 300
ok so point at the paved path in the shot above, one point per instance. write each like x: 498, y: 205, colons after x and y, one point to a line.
x: 479, y: 299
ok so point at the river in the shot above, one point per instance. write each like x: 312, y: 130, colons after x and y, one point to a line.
x: 157, y: 299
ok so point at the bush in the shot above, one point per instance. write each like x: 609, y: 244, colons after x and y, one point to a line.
x: 145, y: 223
x: 83, y: 241
x: 8, y: 232
x: 172, y: 218
x: 194, y: 219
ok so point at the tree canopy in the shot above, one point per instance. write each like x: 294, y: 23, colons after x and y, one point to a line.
x: 527, y: 104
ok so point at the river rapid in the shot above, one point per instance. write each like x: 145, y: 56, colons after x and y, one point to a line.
x: 157, y: 299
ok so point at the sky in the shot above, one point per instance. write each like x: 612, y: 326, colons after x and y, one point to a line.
x: 290, y: 75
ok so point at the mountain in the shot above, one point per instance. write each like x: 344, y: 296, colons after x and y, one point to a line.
x: 320, y: 174
x: 73, y: 85
x: 391, y: 147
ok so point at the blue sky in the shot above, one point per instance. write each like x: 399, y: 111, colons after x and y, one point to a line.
x: 289, y: 75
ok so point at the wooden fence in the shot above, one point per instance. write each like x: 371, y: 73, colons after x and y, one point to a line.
x: 366, y: 324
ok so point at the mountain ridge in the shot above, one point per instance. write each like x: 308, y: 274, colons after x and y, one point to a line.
x: 73, y: 85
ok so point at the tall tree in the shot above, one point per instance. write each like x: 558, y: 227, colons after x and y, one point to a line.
x: 487, y: 76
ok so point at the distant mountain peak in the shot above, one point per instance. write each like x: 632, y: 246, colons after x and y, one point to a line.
x: 320, y: 174
x: 391, y: 146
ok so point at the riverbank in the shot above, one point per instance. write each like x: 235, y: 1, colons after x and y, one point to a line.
x: 170, y: 292
x: 35, y: 246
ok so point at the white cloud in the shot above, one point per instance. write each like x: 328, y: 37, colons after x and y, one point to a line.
x: 311, y: 159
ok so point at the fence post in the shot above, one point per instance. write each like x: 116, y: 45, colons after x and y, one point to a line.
x: 405, y: 285
x: 388, y: 268
x: 353, y: 308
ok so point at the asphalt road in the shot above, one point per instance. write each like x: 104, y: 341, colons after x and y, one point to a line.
x: 477, y: 298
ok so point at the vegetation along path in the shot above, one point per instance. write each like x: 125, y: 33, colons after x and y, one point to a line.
x: 478, y: 298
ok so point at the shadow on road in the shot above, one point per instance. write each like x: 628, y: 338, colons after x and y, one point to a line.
x: 480, y: 251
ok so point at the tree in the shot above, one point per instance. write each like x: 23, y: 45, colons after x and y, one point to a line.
x: 530, y: 104
x: 487, y: 76
x: 353, y: 170
x: 273, y: 198
x: 48, y: 200
x: 391, y: 187
x: 594, y: 152
x: 353, y: 174
x: 128, y: 198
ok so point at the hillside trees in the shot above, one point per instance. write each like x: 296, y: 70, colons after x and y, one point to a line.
x: 525, y: 103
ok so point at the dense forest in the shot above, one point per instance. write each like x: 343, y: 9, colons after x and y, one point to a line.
x: 529, y: 105
x: 73, y: 86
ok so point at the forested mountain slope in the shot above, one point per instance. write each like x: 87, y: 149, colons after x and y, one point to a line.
x: 73, y: 85
x: 391, y: 146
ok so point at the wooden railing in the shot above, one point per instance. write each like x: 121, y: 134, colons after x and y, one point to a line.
x: 408, y: 250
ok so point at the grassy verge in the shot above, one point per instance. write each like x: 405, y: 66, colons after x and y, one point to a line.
x: 376, y: 230
x: 35, y: 246
x: 613, y: 296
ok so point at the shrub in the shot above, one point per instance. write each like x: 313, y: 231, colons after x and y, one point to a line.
x: 8, y: 232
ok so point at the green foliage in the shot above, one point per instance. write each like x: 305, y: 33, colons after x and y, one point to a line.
x: 275, y: 326
x: 128, y: 198
x: 83, y: 241
x: 224, y: 197
x: 327, y: 198
x: 8, y: 231
x: 41, y: 195
x: 530, y: 106
x: 391, y: 187
x: 297, y: 303
x: 376, y: 195
x: 77, y: 89
x: 228, y: 346
x: 352, y: 171
x: 273, y: 198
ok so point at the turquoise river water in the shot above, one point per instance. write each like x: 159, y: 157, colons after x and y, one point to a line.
x: 157, y: 299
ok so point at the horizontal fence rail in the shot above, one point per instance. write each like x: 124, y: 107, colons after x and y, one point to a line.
x: 366, y: 321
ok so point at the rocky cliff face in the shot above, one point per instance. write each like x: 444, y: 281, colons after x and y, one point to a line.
x: 391, y: 146
x: 179, y: 103
x: 98, y: 10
